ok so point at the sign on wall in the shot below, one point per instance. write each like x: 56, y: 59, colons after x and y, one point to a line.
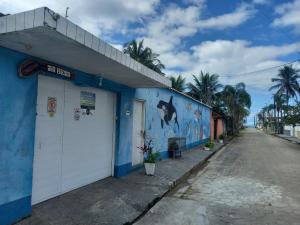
x: 51, y: 106
x: 29, y: 67
x: 87, y: 102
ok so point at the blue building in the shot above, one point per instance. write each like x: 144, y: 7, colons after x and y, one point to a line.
x: 74, y: 109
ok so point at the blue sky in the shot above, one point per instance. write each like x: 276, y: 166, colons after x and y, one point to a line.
x: 230, y: 38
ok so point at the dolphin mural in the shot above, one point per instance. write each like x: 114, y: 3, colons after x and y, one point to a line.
x: 167, y: 112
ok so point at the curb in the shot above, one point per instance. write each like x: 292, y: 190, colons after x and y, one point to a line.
x: 178, y: 181
x: 297, y: 143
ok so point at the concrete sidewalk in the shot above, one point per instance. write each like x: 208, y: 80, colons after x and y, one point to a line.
x: 118, y: 200
x: 289, y: 138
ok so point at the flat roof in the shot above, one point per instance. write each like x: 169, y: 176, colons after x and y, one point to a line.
x: 45, y: 34
x: 190, y: 97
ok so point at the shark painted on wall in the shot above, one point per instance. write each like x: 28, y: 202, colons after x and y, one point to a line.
x: 167, y: 112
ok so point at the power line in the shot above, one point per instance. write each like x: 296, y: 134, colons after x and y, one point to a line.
x: 261, y: 70
x: 261, y: 12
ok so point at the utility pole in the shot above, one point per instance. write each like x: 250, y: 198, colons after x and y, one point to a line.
x: 67, y: 12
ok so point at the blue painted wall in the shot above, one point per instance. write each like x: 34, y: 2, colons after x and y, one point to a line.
x: 193, y: 119
x: 123, y: 152
x: 17, y: 122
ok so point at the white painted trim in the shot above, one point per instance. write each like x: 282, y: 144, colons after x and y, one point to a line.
x: 133, y: 148
x: 114, y: 136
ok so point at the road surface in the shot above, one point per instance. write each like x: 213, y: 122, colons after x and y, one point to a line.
x: 254, y: 180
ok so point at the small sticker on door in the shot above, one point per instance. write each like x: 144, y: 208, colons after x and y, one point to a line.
x: 51, y: 106
x: 77, y: 114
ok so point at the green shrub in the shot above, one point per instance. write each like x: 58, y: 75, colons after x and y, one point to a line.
x: 152, y: 157
x: 209, y: 144
x: 147, y: 150
x: 221, y: 137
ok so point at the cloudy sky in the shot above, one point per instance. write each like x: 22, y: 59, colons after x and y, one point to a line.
x: 239, y: 40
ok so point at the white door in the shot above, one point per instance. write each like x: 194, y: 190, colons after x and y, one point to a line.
x: 48, y: 140
x: 138, y: 132
x: 88, y: 142
x: 71, y: 149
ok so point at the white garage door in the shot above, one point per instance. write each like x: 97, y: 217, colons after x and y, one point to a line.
x: 74, y: 137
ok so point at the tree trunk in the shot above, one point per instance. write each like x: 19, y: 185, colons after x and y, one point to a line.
x: 287, y: 103
x: 277, y: 121
x: 233, y: 119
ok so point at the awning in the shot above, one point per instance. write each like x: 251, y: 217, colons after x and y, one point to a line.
x: 45, y: 34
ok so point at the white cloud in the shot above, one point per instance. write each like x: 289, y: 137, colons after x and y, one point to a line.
x: 239, y: 16
x: 166, y: 30
x: 117, y: 46
x: 289, y: 15
x: 162, y: 31
x: 195, y: 2
x: 97, y: 16
x: 165, y: 33
x: 234, y: 59
x: 261, y: 2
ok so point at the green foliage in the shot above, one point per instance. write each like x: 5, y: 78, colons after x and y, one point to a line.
x: 221, y: 137
x: 144, y: 55
x: 147, y: 150
x: 280, y: 112
x: 152, y: 157
x: 178, y: 83
x: 238, y: 103
x: 286, y: 83
x: 266, y: 124
x: 209, y: 145
x: 279, y: 101
x: 204, y: 87
x: 293, y: 118
x: 233, y: 102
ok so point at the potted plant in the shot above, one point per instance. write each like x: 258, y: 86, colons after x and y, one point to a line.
x: 208, y: 146
x: 150, y: 157
x: 221, y: 138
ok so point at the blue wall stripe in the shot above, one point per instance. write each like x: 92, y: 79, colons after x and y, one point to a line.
x: 14, y: 211
x: 125, y: 169
x: 122, y: 170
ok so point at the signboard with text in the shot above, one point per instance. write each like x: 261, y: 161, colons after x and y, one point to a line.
x: 29, y: 67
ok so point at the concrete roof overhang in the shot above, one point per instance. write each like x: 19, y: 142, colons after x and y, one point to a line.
x: 44, y: 34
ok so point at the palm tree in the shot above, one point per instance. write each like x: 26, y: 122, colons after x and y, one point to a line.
x: 219, y: 105
x: 238, y: 102
x: 279, y: 100
x: 205, y: 87
x: 287, y: 83
x: 279, y: 106
x: 178, y: 83
x: 144, y: 55
x: 271, y: 108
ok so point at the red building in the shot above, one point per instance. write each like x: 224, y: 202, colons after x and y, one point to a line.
x: 217, y: 126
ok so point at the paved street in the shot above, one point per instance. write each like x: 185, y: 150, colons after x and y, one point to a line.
x: 255, y: 180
